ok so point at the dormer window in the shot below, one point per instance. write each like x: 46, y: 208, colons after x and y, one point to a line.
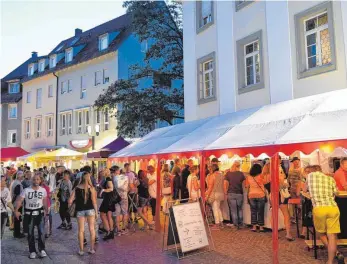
x: 59, y: 48
x: 52, y: 61
x: 103, y: 42
x: 42, y: 64
x: 13, y: 88
x: 31, y: 69
x: 68, y: 55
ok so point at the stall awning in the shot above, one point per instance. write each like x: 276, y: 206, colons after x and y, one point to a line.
x: 32, y: 156
x: 312, y: 119
x: 109, y: 149
x: 11, y: 153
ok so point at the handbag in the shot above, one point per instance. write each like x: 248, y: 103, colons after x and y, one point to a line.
x: 72, y: 210
x: 264, y: 190
x: 115, y: 197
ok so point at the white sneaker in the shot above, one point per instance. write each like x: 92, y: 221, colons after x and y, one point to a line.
x: 81, y: 252
x: 32, y: 255
x: 43, y: 254
x: 91, y: 251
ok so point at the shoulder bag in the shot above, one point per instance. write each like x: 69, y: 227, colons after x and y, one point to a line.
x: 115, y: 197
x: 264, y: 190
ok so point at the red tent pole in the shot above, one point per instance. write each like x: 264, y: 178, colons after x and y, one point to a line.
x: 157, y: 207
x: 202, y: 176
x: 275, y: 205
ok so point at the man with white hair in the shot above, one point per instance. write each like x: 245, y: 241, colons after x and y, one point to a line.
x: 16, y: 190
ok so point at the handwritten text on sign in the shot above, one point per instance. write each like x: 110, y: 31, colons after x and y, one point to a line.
x: 190, y: 226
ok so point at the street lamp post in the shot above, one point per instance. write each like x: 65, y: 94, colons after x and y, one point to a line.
x: 90, y: 133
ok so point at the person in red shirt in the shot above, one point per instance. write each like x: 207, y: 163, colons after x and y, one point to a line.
x: 340, y: 177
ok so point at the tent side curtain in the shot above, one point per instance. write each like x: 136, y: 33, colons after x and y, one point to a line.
x: 317, y: 120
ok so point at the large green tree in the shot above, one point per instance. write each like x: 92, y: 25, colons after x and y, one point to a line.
x: 159, y: 24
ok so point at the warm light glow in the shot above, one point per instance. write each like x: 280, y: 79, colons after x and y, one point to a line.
x: 327, y: 148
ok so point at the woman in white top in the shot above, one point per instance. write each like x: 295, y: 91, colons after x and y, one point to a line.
x: 166, y: 180
x: 50, y: 178
x: 5, y: 203
x: 193, y: 185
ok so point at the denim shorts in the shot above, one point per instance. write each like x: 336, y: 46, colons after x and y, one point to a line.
x: 143, y: 202
x: 85, y: 213
x: 122, y: 208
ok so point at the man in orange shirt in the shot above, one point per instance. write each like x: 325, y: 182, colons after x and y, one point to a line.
x: 340, y: 177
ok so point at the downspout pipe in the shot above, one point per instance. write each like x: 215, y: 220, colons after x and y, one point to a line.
x: 56, y: 110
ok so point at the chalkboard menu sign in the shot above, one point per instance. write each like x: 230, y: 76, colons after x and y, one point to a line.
x: 190, y: 226
x: 172, y: 230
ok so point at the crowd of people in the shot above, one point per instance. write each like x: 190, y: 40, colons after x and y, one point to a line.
x: 29, y: 201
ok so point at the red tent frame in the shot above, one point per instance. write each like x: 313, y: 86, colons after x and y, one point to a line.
x: 270, y: 150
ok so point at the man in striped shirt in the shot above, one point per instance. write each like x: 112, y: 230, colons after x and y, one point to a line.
x: 326, y: 214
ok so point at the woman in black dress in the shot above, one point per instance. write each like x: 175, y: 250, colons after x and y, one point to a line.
x: 107, y: 207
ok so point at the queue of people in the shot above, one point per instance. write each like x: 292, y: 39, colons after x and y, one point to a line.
x: 127, y: 197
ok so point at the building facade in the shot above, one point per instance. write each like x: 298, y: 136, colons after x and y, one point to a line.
x: 244, y: 54
x: 61, y: 88
x: 11, y: 105
x: 39, y: 112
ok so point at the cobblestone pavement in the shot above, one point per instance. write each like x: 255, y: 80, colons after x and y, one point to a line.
x: 231, y: 246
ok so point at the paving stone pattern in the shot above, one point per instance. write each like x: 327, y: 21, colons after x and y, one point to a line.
x: 231, y: 246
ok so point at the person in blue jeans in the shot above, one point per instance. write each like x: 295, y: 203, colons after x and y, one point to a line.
x: 234, y: 192
x: 256, y: 197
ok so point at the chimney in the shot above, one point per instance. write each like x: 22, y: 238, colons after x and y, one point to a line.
x: 34, y: 55
x: 78, y: 32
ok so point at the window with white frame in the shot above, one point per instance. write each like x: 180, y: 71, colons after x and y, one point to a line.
x: 106, y: 76
x: 28, y: 97
x: 249, y: 63
x: 39, y: 98
x: 42, y: 64
x: 69, y: 86
x: 103, y: 42
x: 98, y: 78
x: 11, y: 137
x: 68, y: 55
x: 27, y: 125
x: 106, y: 120
x: 13, y: 88
x: 79, y: 120
x: 12, y: 111
x: 315, y: 40
x: 38, y: 127
x: 252, y: 63
x: 69, y: 123
x: 204, y: 12
x: 31, y: 69
x: 63, y: 124
x: 63, y: 87
x: 206, y: 78
x: 86, y: 121
x: 52, y: 61
x: 49, y: 126
x: 83, y: 87
x: 50, y: 90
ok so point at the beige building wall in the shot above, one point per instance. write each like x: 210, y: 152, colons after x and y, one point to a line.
x: 31, y: 112
x: 71, y: 102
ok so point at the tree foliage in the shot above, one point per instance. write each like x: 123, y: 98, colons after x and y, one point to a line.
x: 160, y: 25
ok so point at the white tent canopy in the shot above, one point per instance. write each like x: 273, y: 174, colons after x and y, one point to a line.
x: 314, y: 118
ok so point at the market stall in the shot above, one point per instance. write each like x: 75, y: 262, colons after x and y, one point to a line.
x: 310, y: 124
x: 10, y: 154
